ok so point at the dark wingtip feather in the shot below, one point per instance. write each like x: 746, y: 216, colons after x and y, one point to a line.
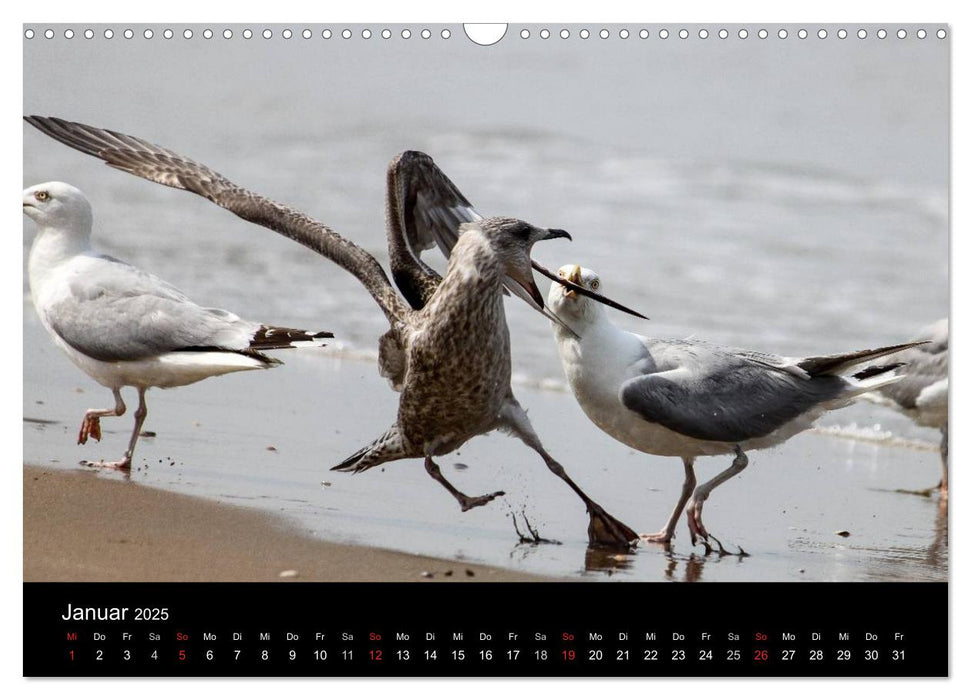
x: 875, y: 370
x: 277, y: 338
x: 835, y: 364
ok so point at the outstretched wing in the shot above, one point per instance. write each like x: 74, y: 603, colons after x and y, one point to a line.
x: 424, y: 210
x: 166, y: 167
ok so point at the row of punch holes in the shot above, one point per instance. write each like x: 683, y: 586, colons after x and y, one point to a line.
x: 490, y: 34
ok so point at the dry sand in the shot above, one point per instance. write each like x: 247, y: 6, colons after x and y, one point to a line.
x: 79, y: 527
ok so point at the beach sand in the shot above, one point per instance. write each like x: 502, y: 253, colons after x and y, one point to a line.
x: 79, y: 527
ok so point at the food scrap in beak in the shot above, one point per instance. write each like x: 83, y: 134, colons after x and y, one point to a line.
x: 571, y: 273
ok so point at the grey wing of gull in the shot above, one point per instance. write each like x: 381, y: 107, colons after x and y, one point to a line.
x: 166, y: 167
x: 425, y: 209
x: 916, y: 378
x: 429, y: 206
x: 709, y: 394
x: 117, y: 312
x: 770, y: 360
x: 924, y: 366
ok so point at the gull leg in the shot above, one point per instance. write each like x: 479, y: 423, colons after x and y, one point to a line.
x: 467, y: 502
x: 124, y: 464
x: 667, y: 534
x: 701, y: 494
x: 943, y: 485
x: 604, y: 529
x: 91, y: 425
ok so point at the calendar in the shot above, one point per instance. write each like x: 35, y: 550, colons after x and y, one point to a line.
x: 536, y: 349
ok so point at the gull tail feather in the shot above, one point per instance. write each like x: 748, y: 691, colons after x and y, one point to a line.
x: 837, y: 364
x: 386, y: 448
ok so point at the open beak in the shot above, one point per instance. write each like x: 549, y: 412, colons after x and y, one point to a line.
x: 528, y: 285
x: 526, y: 280
x: 572, y: 287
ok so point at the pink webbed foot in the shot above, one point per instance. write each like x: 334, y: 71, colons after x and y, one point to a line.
x: 123, y: 465
x: 662, y: 537
x: 470, y: 502
x: 90, y: 427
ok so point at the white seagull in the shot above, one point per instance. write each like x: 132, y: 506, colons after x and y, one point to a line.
x: 126, y: 327
x: 923, y: 393
x: 685, y: 398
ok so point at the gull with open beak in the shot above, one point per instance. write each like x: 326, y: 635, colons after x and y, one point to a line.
x: 447, y: 349
x: 688, y: 399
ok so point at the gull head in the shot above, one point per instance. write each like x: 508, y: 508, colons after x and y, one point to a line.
x: 570, y: 305
x: 511, y: 241
x: 58, y: 205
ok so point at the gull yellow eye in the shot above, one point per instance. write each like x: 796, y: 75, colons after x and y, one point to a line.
x: 595, y: 285
x: 42, y: 196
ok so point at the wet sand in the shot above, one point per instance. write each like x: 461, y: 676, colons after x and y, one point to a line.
x: 78, y: 527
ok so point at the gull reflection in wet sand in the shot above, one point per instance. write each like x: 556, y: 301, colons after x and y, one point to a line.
x: 605, y: 560
x: 937, y: 552
x: 693, y: 566
x: 930, y: 560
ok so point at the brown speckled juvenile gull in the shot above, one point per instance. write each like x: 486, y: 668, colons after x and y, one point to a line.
x: 449, y: 357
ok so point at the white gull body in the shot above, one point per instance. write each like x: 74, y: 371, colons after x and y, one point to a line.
x: 689, y: 399
x: 125, y: 327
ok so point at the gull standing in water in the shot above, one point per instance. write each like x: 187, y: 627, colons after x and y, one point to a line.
x: 922, y: 394
x: 688, y: 399
x: 125, y: 327
x: 450, y: 358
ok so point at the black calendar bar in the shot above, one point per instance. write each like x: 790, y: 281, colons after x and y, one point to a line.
x: 473, y: 629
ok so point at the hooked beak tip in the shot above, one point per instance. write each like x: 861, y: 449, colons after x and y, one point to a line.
x: 557, y: 233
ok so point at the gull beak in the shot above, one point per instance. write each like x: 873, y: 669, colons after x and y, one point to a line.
x: 556, y: 233
x: 574, y: 287
x: 571, y: 273
x: 528, y: 285
x: 525, y: 279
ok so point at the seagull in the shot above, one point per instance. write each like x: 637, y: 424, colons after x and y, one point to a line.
x: 447, y: 350
x: 687, y: 399
x: 126, y: 327
x: 922, y: 395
